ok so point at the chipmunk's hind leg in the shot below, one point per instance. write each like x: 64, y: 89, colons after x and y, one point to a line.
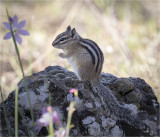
x: 90, y: 71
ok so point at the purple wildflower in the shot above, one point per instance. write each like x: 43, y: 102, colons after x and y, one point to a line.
x: 17, y: 29
x: 56, y: 117
x: 60, y: 133
x: 47, y: 116
x: 38, y: 123
x: 73, y: 90
x: 38, y: 127
x: 10, y: 20
x: 49, y: 109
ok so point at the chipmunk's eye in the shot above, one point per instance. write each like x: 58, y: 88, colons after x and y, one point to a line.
x: 62, y: 39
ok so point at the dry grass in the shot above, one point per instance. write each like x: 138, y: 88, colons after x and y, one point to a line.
x: 126, y: 31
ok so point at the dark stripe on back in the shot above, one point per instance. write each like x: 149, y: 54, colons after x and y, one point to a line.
x: 93, y: 45
x: 90, y: 52
x: 101, y: 53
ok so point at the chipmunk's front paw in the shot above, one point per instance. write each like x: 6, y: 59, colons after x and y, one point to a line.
x: 61, y: 55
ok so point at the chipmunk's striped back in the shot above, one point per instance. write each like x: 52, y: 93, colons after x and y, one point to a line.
x: 95, y: 52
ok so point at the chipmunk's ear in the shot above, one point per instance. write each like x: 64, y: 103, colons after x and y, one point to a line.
x: 68, y: 28
x: 73, y: 32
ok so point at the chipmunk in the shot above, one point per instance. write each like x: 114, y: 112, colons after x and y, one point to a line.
x: 86, y: 58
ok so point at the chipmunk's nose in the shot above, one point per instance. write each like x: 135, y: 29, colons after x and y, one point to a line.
x: 53, y: 43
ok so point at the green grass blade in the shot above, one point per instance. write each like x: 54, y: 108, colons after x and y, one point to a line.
x: 70, y: 112
x: 16, y: 113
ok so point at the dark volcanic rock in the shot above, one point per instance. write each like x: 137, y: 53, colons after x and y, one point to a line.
x: 90, y: 118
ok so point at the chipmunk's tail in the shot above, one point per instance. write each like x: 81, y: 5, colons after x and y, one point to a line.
x: 120, y: 112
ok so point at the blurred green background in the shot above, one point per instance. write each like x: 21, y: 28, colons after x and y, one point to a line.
x: 127, y: 31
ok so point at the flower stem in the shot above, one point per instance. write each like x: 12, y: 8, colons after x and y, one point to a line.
x: 51, y: 129
x: 16, y: 113
x: 21, y: 66
x: 70, y: 112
